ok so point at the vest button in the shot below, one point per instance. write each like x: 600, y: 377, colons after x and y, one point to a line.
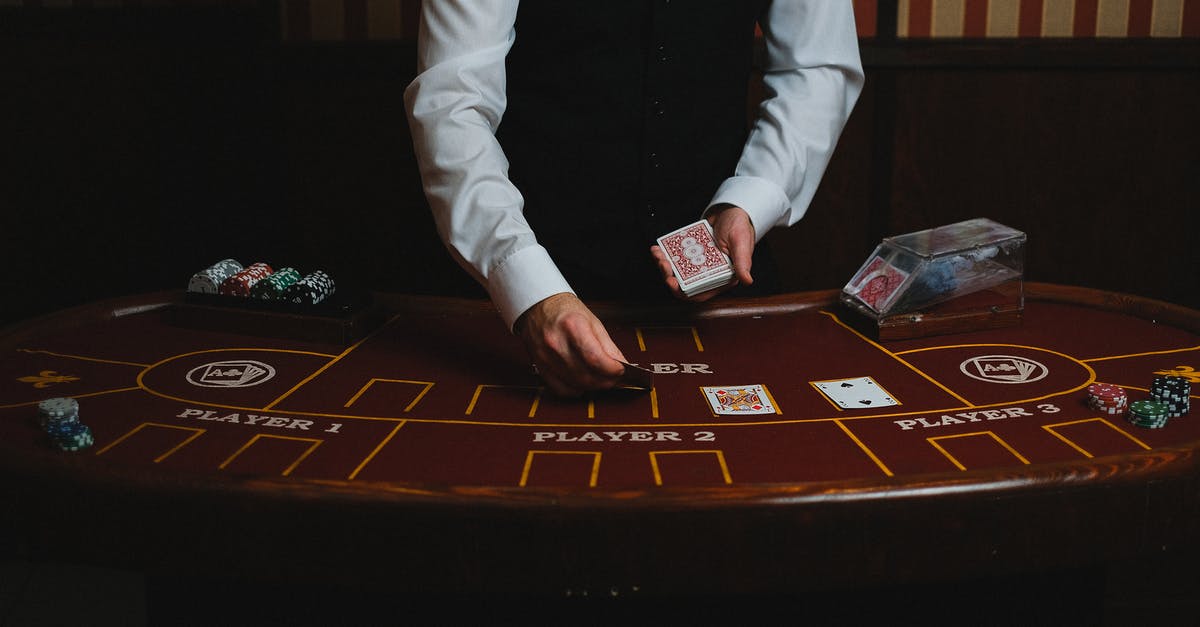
x: 662, y: 53
x: 654, y: 160
x: 656, y: 105
x: 651, y: 210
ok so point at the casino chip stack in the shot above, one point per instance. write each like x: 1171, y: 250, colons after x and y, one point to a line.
x: 208, y: 280
x: 312, y: 289
x: 242, y: 282
x: 59, y: 417
x: 273, y: 287
x: 1149, y: 414
x: 1108, y: 398
x: 1173, y: 392
x: 260, y: 282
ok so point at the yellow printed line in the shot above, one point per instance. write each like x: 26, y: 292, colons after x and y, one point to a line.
x: 141, y: 376
x: 245, y: 349
x: 755, y: 423
x: 197, y: 432
x: 296, y: 412
x: 82, y: 358
x: 315, y: 374
x: 315, y: 444
x: 1186, y: 372
x: 1051, y: 428
x: 1037, y: 349
x: 331, y: 362
x: 89, y: 394
x: 767, y: 391
x: 287, y: 471
x: 1162, y: 352
x: 641, y: 340
x: 537, y: 400
x: 1147, y: 390
x: 942, y: 410
x: 742, y: 423
x: 474, y: 399
x: 720, y: 462
x: 375, y: 452
x: 713, y: 410
x: 238, y: 452
x: 428, y: 386
x: 537, y: 397
x: 866, y: 449
x: 1091, y: 371
x: 934, y: 441
x: 529, y: 464
x: 897, y: 358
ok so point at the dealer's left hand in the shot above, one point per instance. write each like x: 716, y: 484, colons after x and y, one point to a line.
x: 734, y: 235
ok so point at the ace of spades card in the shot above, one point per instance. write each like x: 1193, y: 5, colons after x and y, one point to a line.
x: 856, y: 393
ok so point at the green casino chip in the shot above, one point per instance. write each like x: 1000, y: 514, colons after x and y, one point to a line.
x: 274, y: 286
x: 1150, y: 414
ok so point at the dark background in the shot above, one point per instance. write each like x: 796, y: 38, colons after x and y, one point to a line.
x: 141, y: 145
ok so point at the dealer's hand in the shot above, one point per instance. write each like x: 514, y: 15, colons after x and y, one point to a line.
x: 569, y: 346
x: 734, y: 235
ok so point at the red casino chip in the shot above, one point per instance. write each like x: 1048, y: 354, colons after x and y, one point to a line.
x: 1108, y: 398
x: 240, y: 283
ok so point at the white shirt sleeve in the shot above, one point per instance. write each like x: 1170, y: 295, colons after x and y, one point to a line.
x: 812, y: 78
x: 454, y: 107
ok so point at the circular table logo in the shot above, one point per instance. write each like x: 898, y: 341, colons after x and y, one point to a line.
x: 238, y: 373
x: 1003, y: 369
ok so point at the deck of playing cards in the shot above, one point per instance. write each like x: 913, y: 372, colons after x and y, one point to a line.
x: 697, y: 262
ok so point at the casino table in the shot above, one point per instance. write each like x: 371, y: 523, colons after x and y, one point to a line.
x: 422, y: 451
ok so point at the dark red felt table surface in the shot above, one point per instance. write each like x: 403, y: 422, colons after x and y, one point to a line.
x: 438, y: 407
x: 446, y: 398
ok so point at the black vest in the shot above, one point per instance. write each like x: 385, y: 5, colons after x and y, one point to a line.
x: 623, y: 117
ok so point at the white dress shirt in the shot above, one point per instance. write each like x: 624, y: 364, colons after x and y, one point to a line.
x: 812, y: 78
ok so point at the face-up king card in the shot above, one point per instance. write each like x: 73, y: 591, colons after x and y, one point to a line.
x: 741, y: 400
x: 856, y: 393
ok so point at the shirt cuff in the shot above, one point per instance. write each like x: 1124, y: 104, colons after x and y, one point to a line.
x: 523, y: 280
x: 764, y: 201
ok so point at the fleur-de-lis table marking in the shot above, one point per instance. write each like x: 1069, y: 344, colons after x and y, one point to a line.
x: 1187, y: 372
x: 46, y: 378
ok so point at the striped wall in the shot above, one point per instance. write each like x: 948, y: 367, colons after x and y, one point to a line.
x: 383, y: 20
x: 339, y: 20
x: 1048, y: 18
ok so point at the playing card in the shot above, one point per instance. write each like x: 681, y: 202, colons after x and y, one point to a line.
x: 697, y: 262
x: 877, y: 283
x: 636, y: 377
x: 856, y: 393
x: 740, y: 399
